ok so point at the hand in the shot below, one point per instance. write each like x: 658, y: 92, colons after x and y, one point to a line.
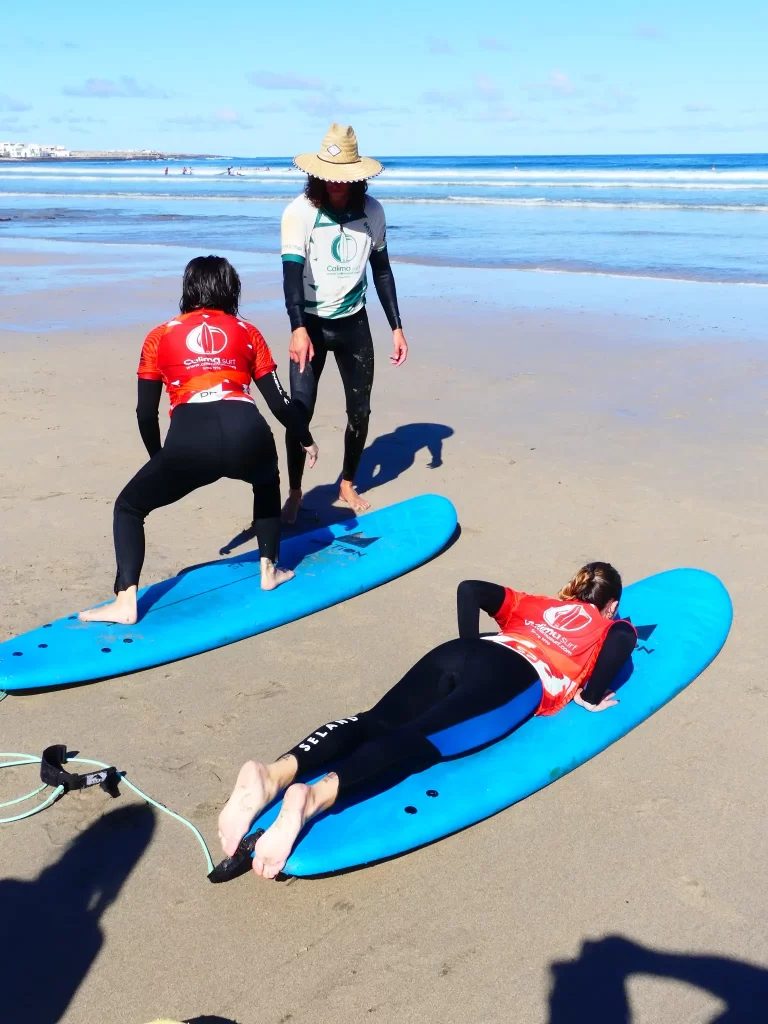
x: 312, y: 452
x: 606, y: 702
x: 301, y: 349
x: 401, y: 348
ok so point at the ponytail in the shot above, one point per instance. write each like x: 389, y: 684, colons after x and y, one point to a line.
x: 596, y: 583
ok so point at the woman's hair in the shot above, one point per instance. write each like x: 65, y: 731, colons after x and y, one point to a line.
x: 596, y: 583
x: 317, y: 194
x: 210, y: 282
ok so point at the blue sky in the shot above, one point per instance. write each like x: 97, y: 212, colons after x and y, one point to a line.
x: 486, y: 77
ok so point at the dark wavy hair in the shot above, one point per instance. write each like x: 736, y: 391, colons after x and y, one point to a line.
x: 317, y: 193
x: 210, y: 282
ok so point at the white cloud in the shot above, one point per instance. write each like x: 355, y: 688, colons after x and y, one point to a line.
x: 614, y: 100
x: 435, y: 44
x: 13, y: 125
x: 124, y: 87
x: 445, y: 100
x: 492, y: 43
x: 487, y: 89
x: 13, y: 105
x: 329, y: 105
x: 496, y: 113
x: 289, y: 82
x: 556, y: 86
x: 71, y: 119
x: 225, y: 117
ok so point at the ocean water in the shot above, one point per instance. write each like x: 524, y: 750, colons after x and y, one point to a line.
x: 698, y: 218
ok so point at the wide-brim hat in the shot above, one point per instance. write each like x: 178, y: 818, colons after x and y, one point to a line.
x: 338, y: 158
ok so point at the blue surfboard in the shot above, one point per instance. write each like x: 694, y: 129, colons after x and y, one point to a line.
x: 682, y: 618
x: 218, y: 603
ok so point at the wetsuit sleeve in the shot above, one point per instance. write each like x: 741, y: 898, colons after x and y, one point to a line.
x: 294, y: 248
x: 617, y: 647
x: 262, y: 362
x: 293, y: 290
x: 472, y: 597
x: 281, y: 407
x: 147, y: 406
x: 384, y: 282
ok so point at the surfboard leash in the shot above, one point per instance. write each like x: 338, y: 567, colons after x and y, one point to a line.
x: 53, y: 774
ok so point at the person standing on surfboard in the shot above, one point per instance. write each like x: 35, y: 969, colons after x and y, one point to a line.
x: 463, y: 695
x: 207, y: 358
x: 329, y: 235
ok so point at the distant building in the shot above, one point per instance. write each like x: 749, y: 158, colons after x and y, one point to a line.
x: 31, y: 151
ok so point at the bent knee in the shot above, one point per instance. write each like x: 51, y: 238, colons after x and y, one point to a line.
x: 124, y: 507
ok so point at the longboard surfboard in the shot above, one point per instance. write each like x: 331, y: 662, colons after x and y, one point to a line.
x: 682, y: 618
x: 221, y: 602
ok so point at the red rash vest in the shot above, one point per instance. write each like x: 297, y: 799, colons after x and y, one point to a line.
x: 205, y: 356
x: 561, y: 639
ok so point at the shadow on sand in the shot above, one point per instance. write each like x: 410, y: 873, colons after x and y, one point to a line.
x: 384, y: 460
x: 51, y: 925
x: 592, y: 989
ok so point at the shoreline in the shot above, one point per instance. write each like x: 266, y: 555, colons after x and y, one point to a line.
x: 674, y: 308
x: 21, y: 242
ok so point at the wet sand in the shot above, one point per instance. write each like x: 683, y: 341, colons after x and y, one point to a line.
x: 560, y: 434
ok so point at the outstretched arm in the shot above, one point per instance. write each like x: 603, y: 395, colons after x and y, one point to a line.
x: 617, y: 647
x: 472, y: 597
x: 147, y: 406
x: 281, y: 407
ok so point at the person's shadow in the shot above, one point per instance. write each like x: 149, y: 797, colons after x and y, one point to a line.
x: 592, y: 988
x: 51, y: 928
x: 383, y: 460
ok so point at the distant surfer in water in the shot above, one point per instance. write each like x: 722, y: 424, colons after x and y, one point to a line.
x: 464, y: 694
x: 207, y: 358
x: 329, y: 235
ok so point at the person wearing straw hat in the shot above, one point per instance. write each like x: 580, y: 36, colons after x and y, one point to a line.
x: 330, y: 234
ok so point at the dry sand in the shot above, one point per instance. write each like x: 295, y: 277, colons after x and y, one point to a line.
x: 565, y: 436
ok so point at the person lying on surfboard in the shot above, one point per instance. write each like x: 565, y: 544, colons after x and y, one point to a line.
x: 461, y: 696
x: 207, y: 358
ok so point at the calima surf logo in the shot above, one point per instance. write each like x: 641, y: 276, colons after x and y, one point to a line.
x: 206, y: 340
x: 567, y: 618
x: 344, y: 248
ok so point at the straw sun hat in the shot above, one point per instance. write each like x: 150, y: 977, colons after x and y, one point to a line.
x: 338, y: 158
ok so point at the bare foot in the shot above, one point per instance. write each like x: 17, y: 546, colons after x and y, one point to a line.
x: 123, y: 610
x: 253, y: 790
x: 274, y: 847
x: 300, y: 803
x: 291, y: 508
x: 349, y: 495
x: 272, y: 577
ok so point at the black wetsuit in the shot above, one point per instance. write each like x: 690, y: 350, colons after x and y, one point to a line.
x: 464, y: 694
x: 349, y: 339
x: 205, y: 441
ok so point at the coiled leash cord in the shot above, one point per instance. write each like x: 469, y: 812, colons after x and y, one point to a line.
x: 53, y: 774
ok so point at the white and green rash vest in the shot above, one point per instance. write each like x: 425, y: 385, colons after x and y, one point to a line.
x: 334, y: 249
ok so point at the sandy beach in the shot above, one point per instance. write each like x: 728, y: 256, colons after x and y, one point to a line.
x: 567, y: 417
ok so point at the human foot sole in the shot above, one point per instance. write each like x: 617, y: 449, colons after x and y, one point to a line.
x: 252, y: 792
x: 274, y: 847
